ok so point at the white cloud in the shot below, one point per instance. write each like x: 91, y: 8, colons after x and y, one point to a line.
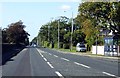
x: 65, y: 7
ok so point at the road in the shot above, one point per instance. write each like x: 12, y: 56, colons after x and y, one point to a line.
x: 50, y: 63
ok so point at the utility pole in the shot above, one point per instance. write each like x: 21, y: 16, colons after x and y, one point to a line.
x: 37, y: 40
x: 58, y: 32
x: 48, y: 33
x: 71, y: 30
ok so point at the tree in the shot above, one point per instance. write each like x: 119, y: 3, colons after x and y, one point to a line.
x: 15, y: 33
x: 105, y: 14
x: 52, y: 29
x: 94, y: 16
x: 4, y: 36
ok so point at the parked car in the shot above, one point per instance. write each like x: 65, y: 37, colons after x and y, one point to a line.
x: 81, y: 47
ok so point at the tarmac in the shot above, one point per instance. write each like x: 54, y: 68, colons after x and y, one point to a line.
x: 90, y: 54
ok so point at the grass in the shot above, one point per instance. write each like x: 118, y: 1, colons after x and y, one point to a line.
x: 66, y: 50
x: 74, y: 51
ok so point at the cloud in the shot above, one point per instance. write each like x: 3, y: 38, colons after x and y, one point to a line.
x: 65, y: 7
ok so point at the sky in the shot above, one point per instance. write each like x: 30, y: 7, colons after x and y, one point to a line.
x: 35, y: 14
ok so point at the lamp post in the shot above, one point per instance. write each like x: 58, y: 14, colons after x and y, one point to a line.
x: 49, y: 30
x: 58, y: 22
x: 71, y: 30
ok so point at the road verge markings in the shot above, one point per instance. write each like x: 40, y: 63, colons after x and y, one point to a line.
x: 50, y: 64
x: 60, y: 75
x: 65, y: 59
x: 109, y: 74
x: 82, y: 65
x: 55, y: 55
x: 45, y: 59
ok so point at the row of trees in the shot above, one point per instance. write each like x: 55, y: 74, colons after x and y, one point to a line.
x: 92, y: 19
x: 49, y: 33
x: 15, y: 33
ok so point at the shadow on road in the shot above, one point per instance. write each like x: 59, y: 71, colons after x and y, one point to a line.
x: 9, y: 51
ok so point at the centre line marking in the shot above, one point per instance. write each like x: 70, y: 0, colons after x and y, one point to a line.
x: 50, y: 65
x: 60, y: 75
x: 55, y: 55
x: 82, y: 65
x: 45, y: 59
x: 109, y: 74
x: 65, y: 59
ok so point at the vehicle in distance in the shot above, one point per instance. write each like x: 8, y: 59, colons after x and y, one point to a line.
x: 80, y: 47
x: 33, y: 45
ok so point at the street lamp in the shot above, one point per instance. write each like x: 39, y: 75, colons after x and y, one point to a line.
x: 71, y: 30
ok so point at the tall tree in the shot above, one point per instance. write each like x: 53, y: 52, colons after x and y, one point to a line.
x: 15, y: 33
x: 94, y: 16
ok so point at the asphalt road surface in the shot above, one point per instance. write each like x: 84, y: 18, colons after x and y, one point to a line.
x: 50, y: 63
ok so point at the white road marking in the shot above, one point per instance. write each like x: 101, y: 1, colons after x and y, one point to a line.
x: 65, y: 59
x: 42, y: 56
x: 40, y: 53
x: 50, y: 65
x: 50, y: 54
x: 38, y: 50
x: 45, y: 59
x: 55, y: 55
x: 60, y: 75
x: 82, y: 65
x: 108, y: 74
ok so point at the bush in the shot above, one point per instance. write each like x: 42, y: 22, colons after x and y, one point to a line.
x: 66, y: 46
x: 61, y: 45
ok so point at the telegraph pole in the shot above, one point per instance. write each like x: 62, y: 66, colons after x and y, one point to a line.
x: 71, y: 30
x: 58, y: 32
